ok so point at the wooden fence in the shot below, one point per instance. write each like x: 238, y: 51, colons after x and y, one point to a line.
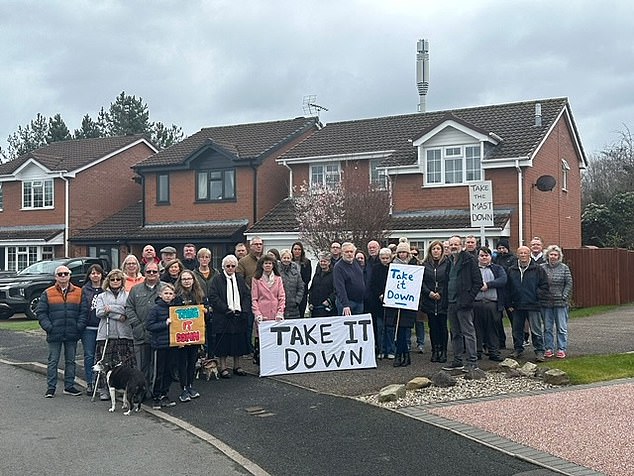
x: 601, y: 276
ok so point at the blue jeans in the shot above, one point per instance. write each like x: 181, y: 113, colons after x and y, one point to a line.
x: 419, y: 327
x: 463, y: 335
x: 89, y: 343
x: 555, y: 317
x: 389, y: 340
x: 535, y: 322
x: 54, y: 352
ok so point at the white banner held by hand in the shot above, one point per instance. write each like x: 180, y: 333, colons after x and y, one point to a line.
x: 316, y: 345
x: 402, y: 288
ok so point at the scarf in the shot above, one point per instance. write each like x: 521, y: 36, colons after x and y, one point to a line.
x: 269, y: 279
x: 233, y: 294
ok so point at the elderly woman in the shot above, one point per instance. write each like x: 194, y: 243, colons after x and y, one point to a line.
x: 555, y: 302
x: 322, y: 289
x: 204, y: 274
x: 132, y: 271
x: 114, y: 336
x: 230, y: 301
x: 173, y: 269
x: 384, y: 343
x: 267, y: 297
x: 293, y: 284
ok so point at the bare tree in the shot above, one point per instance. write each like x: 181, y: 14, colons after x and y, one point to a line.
x: 352, y: 210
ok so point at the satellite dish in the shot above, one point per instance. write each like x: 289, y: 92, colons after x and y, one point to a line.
x: 545, y: 183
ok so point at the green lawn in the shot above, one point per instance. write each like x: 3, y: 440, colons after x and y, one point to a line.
x: 596, y: 368
x: 12, y: 325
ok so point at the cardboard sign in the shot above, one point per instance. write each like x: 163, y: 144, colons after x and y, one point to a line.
x: 187, y: 325
x: 318, y: 344
x: 403, y: 285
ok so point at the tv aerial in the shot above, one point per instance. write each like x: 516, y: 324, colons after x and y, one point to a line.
x: 310, y: 106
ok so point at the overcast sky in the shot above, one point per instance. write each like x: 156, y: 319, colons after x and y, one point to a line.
x: 206, y: 63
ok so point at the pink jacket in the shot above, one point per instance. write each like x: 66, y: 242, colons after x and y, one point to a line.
x: 268, y: 302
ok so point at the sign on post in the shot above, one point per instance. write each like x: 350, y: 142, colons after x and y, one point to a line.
x: 402, y: 288
x: 481, y: 204
x: 187, y: 325
x: 316, y: 345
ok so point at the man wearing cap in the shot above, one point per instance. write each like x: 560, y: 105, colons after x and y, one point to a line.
x: 58, y: 313
x: 168, y: 254
x: 506, y: 259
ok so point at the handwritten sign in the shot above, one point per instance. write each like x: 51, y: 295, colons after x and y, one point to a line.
x: 316, y: 345
x: 481, y: 203
x: 187, y: 325
x: 402, y: 288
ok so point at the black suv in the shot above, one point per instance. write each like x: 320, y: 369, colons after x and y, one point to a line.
x: 21, y: 292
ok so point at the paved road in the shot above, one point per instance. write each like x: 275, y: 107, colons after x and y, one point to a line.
x: 72, y: 436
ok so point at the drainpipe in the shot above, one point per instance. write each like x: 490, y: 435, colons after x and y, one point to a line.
x: 255, y: 191
x: 290, y: 179
x: 66, y: 213
x: 520, y: 204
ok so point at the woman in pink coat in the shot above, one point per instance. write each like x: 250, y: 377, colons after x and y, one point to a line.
x: 267, y: 297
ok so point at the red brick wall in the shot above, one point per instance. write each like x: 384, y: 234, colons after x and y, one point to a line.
x: 13, y: 215
x: 106, y: 188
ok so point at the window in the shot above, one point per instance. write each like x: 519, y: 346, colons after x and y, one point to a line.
x: 378, y: 178
x: 325, y: 175
x: 163, y: 188
x: 37, y: 194
x: 453, y: 165
x: 565, y: 169
x: 1, y: 198
x: 19, y: 257
x: 213, y: 185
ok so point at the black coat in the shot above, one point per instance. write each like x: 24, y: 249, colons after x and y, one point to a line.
x: 469, y: 279
x: 223, y: 320
x: 434, y: 280
x: 157, y: 326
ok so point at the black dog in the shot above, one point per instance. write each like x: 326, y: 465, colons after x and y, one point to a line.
x: 131, y: 381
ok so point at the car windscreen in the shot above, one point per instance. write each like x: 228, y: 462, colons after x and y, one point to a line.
x: 42, y: 267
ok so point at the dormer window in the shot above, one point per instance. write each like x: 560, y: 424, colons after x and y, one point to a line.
x: 453, y: 165
x: 37, y: 194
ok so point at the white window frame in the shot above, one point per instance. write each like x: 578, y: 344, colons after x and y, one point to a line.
x: 325, y: 174
x: 457, y: 163
x: 28, y: 254
x: 565, y: 169
x: 378, y: 177
x: 46, y: 185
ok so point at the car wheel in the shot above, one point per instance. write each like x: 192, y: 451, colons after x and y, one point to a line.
x: 31, y: 310
x: 5, y: 314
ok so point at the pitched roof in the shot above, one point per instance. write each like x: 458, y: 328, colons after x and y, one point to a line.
x: 282, y: 219
x: 30, y: 232
x: 71, y: 155
x: 244, y: 141
x: 513, y: 122
x: 127, y: 225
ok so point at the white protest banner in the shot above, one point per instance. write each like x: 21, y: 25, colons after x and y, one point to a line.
x: 402, y: 288
x: 318, y: 344
x: 481, y: 201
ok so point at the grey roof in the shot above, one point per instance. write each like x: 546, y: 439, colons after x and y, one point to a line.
x: 127, y: 225
x: 513, y: 122
x: 71, y: 155
x: 31, y: 232
x: 241, y: 141
x: 282, y: 219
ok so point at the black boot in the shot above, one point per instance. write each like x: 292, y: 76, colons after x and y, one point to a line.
x: 398, y: 360
x: 407, y: 360
x: 435, y: 353
x: 442, y: 356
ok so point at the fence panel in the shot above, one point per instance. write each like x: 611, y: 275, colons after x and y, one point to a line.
x: 601, y: 276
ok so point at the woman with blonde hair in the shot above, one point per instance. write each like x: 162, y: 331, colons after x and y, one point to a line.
x: 132, y: 270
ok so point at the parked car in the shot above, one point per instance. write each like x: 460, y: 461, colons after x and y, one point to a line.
x: 21, y: 292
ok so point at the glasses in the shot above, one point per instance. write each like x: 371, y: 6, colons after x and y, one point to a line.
x: 115, y: 279
x: 63, y: 273
x: 230, y: 266
x: 151, y: 271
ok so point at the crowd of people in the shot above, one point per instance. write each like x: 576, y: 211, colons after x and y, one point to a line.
x: 123, y: 317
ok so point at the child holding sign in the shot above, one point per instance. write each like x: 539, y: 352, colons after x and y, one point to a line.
x: 158, y: 322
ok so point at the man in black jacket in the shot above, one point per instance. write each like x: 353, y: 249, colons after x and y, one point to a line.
x: 463, y: 285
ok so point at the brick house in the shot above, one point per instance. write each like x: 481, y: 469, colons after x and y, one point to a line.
x: 427, y: 160
x: 206, y: 189
x: 56, y: 190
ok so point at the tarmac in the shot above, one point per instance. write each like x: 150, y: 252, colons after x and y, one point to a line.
x: 611, y: 332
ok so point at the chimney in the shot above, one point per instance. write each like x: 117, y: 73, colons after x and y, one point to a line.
x: 538, y: 114
x: 422, y: 72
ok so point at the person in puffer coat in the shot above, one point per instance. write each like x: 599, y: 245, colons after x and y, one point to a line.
x: 58, y: 314
x: 293, y: 284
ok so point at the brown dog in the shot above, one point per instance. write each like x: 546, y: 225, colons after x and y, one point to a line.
x: 207, y: 368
